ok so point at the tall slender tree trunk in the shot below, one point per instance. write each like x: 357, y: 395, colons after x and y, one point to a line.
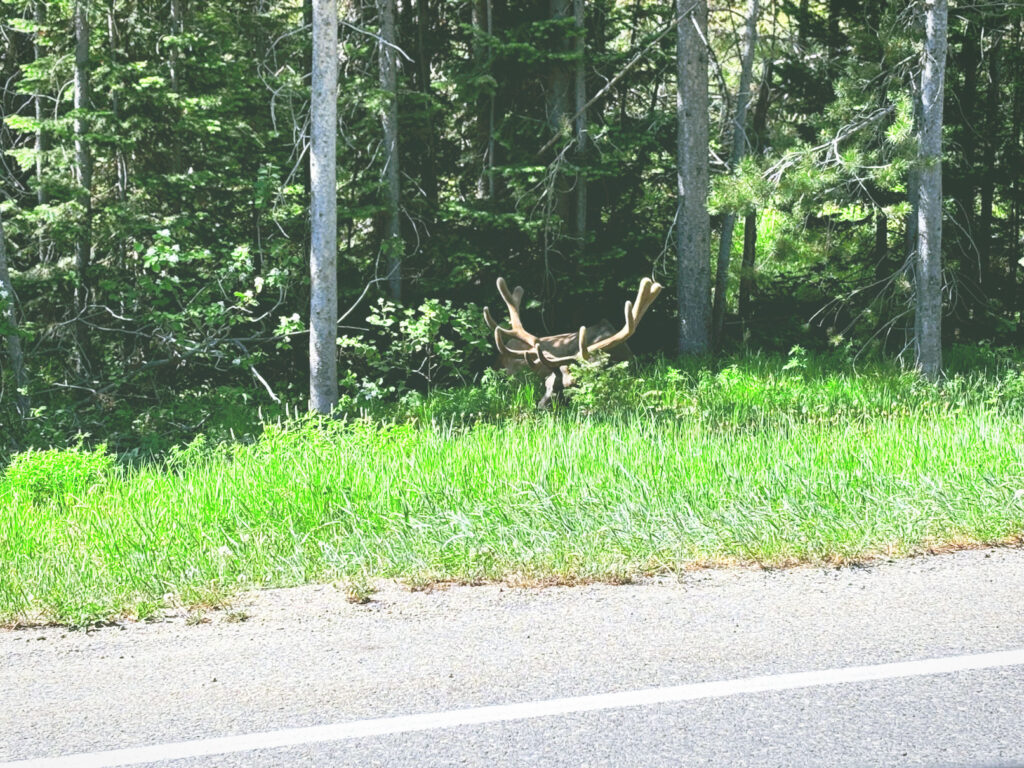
x: 739, y: 148
x: 423, y: 59
x: 491, y: 125
x: 9, y: 317
x: 42, y: 194
x: 120, y: 164
x: 307, y: 181
x: 481, y: 16
x: 988, y: 180
x: 750, y: 222
x: 323, y: 254
x: 928, y: 275
x: 177, y: 28
x: 83, y: 163
x: 881, y: 254
x: 393, y: 248
x: 913, y: 181
x: 803, y: 28
x: 964, y: 192
x: 557, y: 107
x: 1017, y: 142
x: 747, y: 265
x: 634, y: 28
x: 693, y: 227
x: 483, y: 21
x: 580, y: 126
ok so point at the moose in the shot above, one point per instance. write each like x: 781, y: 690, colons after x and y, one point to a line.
x: 550, y: 356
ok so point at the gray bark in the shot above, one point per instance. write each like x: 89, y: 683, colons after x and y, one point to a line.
x: 928, y: 272
x: 750, y: 222
x: 558, y: 115
x: 83, y: 163
x: 323, y: 304
x: 580, y: 126
x: 913, y: 184
x: 37, y: 51
x: 42, y: 194
x: 985, y: 214
x: 881, y: 254
x: 393, y: 249
x: 423, y: 58
x: 491, y: 112
x: 739, y: 149
x: 10, y: 319
x: 693, y: 237
x: 177, y: 28
x: 557, y: 97
x: 747, y: 265
x: 482, y: 21
x: 121, y: 166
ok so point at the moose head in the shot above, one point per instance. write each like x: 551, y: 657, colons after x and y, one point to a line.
x: 550, y: 356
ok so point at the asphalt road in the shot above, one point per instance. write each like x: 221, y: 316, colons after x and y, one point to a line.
x: 305, y: 658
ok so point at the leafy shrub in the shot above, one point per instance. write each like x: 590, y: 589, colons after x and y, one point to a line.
x: 602, y: 387
x: 418, y: 349
x: 54, y: 475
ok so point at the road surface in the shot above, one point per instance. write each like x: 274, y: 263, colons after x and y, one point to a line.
x: 917, y: 662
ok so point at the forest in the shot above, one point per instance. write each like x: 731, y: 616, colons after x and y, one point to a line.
x: 762, y: 160
x: 258, y: 261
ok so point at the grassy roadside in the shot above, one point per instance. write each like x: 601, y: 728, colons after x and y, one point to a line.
x: 771, y: 466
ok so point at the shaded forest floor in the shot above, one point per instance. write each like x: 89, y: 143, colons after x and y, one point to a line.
x: 770, y: 461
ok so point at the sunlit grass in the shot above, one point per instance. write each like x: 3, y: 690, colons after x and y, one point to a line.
x: 752, y: 464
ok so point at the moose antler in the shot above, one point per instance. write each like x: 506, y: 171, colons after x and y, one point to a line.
x: 531, y: 351
x: 635, y: 311
x: 512, y: 300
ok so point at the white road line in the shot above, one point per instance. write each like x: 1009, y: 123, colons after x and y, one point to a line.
x: 526, y: 710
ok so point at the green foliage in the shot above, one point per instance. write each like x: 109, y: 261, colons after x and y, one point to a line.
x: 763, y: 459
x: 602, y: 387
x: 197, y: 292
x: 413, y: 349
x: 56, y: 476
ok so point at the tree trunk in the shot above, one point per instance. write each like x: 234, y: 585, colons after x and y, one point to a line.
x: 307, y: 181
x: 9, y: 317
x: 739, y: 148
x: 913, y: 182
x: 803, y: 28
x: 989, y: 171
x: 83, y: 163
x: 580, y: 126
x: 392, y: 243
x: 882, y: 266
x: 483, y: 22
x: 177, y: 28
x: 928, y: 275
x: 42, y: 194
x: 557, y: 96
x: 750, y: 222
x: 423, y: 57
x: 1017, y: 142
x: 323, y: 304
x: 747, y: 266
x: 693, y: 235
x: 120, y: 164
x: 965, y: 190
x: 557, y: 108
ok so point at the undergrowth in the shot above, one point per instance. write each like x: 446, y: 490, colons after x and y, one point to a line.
x: 761, y: 460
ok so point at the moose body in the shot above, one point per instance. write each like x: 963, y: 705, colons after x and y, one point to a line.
x: 550, y: 356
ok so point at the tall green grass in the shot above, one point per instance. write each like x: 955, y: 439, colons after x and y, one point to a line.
x: 766, y: 462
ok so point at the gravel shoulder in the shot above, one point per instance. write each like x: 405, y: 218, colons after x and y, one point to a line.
x: 307, y: 656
